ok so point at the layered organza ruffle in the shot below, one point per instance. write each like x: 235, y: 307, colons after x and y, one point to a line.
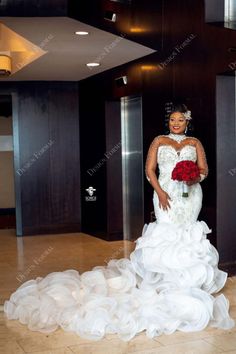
x: 165, y: 286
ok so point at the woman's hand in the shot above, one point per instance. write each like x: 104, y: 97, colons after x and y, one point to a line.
x: 164, y: 199
x: 190, y: 183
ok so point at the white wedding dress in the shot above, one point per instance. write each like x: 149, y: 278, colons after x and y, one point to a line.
x: 165, y: 285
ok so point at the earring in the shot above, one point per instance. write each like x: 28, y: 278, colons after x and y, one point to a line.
x: 186, y: 129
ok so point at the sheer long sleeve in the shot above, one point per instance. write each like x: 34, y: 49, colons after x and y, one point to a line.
x: 151, y: 164
x: 201, y: 160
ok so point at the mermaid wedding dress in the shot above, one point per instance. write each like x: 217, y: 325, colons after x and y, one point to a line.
x: 165, y: 285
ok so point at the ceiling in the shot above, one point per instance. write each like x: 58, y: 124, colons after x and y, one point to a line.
x: 63, y: 54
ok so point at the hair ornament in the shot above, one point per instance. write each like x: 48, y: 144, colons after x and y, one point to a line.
x: 187, y: 115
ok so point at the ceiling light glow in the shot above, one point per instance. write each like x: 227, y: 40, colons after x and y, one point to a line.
x: 5, y: 65
x: 148, y: 67
x: 92, y: 64
x: 137, y: 30
x: 82, y: 33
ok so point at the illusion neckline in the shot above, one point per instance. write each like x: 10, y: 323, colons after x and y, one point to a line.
x: 177, y: 137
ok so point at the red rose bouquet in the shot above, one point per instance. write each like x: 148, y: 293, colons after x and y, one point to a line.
x: 185, y: 171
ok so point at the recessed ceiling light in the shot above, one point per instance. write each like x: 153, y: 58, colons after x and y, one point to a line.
x: 81, y: 33
x: 92, y: 64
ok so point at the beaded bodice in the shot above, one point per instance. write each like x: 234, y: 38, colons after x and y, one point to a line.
x: 165, y: 152
x: 177, y: 148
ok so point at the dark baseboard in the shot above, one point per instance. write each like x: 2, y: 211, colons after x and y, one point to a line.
x: 106, y: 236
x: 7, y: 211
x: 230, y: 268
x: 115, y: 236
x: 7, y: 221
x: 51, y: 229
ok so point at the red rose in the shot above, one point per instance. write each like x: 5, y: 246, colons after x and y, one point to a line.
x: 186, y: 171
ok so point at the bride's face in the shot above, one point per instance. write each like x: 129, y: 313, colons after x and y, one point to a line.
x: 177, y: 123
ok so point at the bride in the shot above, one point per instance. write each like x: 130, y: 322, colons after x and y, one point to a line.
x: 165, y: 285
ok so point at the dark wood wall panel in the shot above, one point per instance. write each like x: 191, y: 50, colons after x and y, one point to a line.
x: 93, y: 160
x: 49, y: 139
x: 47, y: 156
x: 34, y: 166
x: 65, y: 157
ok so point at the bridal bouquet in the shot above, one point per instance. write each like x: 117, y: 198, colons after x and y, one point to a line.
x: 185, y: 171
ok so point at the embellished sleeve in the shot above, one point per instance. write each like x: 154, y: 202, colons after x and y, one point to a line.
x: 151, y: 161
x: 201, y: 160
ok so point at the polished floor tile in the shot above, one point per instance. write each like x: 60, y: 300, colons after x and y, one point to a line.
x: 225, y: 342
x: 24, y: 258
x: 196, y: 347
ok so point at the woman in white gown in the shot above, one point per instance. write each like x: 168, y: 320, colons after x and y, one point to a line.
x: 168, y: 282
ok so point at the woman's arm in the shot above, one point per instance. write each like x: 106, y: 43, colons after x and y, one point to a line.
x: 201, y: 161
x: 151, y: 165
x: 150, y: 170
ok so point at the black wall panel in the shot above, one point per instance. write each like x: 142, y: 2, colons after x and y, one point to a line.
x: 47, y: 156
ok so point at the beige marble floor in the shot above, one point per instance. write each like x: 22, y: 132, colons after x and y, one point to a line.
x: 29, y: 257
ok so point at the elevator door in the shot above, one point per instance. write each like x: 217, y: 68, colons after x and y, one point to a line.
x: 226, y: 166
x: 132, y: 166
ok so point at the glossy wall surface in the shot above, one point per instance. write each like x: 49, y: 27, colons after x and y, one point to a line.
x: 132, y: 166
x: 226, y: 166
x: 46, y: 156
